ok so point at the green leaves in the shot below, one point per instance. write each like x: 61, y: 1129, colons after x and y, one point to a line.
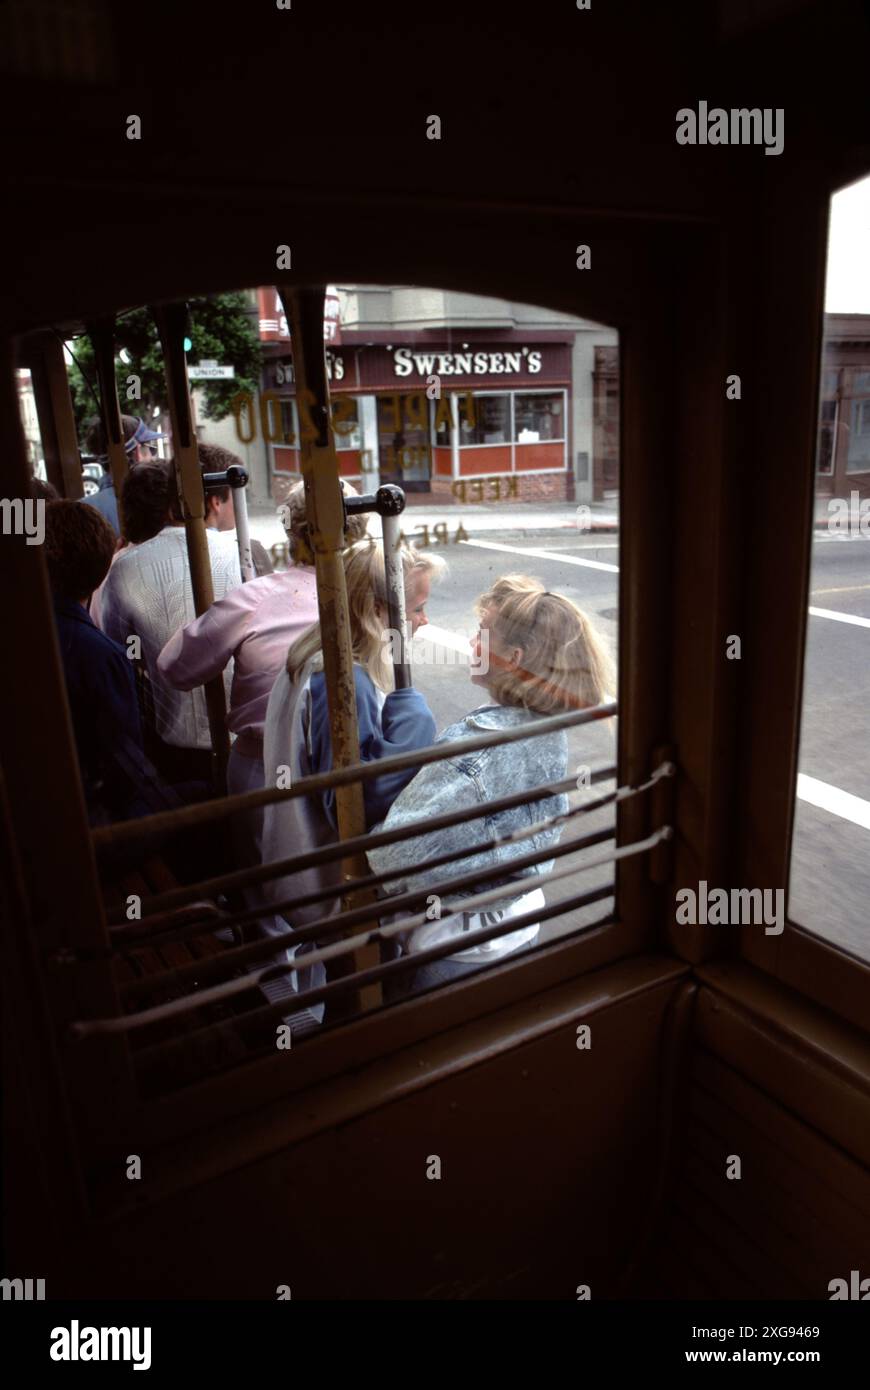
x: 224, y: 328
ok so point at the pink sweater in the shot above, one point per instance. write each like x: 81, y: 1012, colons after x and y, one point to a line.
x: 255, y: 624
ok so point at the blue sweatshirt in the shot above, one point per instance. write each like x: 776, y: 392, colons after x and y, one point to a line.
x: 404, y: 722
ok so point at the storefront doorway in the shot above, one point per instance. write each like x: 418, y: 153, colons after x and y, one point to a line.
x: 404, y: 444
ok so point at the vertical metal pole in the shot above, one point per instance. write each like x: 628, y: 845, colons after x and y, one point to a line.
x: 43, y: 354
x: 396, y: 598
x: 325, y: 510
x: 170, y: 320
x: 243, y: 534
x: 102, y: 335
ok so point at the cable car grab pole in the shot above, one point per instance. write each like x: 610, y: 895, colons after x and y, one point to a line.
x: 102, y: 335
x: 171, y: 320
x: 389, y: 503
x: 303, y: 306
x: 236, y: 478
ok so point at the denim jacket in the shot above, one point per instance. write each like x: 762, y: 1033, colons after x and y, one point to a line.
x: 470, y: 781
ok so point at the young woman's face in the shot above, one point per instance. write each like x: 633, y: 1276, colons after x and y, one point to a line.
x: 416, y: 597
x: 489, y: 654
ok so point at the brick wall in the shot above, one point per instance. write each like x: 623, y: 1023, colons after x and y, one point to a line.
x: 531, y: 487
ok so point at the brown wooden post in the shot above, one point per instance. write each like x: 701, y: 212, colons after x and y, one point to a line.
x: 170, y: 320
x: 325, y: 511
x: 52, y: 899
x: 102, y: 335
x: 43, y: 354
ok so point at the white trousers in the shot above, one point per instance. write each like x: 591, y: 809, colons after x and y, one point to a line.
x: 245, y: 774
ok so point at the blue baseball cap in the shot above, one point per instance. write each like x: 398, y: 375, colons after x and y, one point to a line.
x: 142, y: 436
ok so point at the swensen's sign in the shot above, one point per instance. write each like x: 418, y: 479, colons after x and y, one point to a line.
x: 284, y: 369
x: 407, y: 362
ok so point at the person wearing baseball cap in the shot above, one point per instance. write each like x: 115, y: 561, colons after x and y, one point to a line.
x: 138, y: 439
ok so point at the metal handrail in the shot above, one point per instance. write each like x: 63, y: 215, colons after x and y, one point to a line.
x: 205, y: 812
x: 179, y: 1007
x: 243, y: 878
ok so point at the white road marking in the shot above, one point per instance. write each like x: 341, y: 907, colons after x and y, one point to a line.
x: 821, y: 794
x: 535, y: 554
x: 839, y: 803
x: 442, y: 637
x: 844, y: 589
x: 838, y: 617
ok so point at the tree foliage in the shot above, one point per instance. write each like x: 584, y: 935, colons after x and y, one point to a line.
x: 223, y: 327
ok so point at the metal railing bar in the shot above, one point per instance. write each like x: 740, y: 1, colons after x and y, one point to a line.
x: 147, y: 930
x: 342, y: 849
x: 163, y: 1052
x: 241, y: 956
x: 220, y: 993
x: 154, y: 931
x: 122, y: 832
x: 330, y: 991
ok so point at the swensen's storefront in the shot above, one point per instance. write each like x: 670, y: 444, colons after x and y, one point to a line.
x: 426, y: 416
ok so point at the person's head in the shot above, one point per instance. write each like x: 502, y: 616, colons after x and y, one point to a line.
x: 138, y: 440
x: 79, y: 545
x: 41, y: 491
x: 145, y: 500
x: 543, y: 652
x: 365, y: 581
x: 295, y: 523
x: 220, y: 510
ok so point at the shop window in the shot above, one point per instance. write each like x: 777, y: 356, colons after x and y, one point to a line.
x: 827, y: 435
x: 346, y: 427
x: 289, y: 421
x: 539, y: 418
x: 492, y: 421
x: 858, y: 455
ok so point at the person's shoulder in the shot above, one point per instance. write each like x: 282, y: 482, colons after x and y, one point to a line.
x: 483, y: 719
x: 280, y: 583
x: 367, y: 693
x: 224, y: 543
x: 250, y: 594
x: 101, y: 647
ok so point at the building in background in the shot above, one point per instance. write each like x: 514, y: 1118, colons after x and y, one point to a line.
x: 843, y: 457
x: 29, y: 421
x: 432, y: 387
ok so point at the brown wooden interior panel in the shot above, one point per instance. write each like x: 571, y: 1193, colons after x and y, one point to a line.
x: 806, y: 1160
x: 784, y: 1064
x: 548, y: 1164
x: 752, y: 1208
x: 739, y: 1267
x: 799, y: 1216
x: 805, y: 1228
x: 674, y: 1268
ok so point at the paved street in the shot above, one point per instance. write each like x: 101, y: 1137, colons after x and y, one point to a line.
x: 831, y: 862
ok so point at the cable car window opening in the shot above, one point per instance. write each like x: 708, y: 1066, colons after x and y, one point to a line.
x: 830, y: 861
x: 381, y: 434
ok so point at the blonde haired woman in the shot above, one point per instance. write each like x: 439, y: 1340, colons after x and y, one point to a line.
x: 297, y: 740
x: 542, y: 657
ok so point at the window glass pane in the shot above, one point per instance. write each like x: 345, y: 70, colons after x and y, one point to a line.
x: 830, y: 867
x: 492, y: 415
x: 30, y: 428
x: 858, y: 460
x: 538, y: 417
x: 346, y: 425
x: 289, y: 427
x: 499, y: 420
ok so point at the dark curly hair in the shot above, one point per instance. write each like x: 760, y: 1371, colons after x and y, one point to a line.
x: 145, y: 501
x: 79, y: 545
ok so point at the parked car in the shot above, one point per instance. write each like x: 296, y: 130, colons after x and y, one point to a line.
x: 92, y: 472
